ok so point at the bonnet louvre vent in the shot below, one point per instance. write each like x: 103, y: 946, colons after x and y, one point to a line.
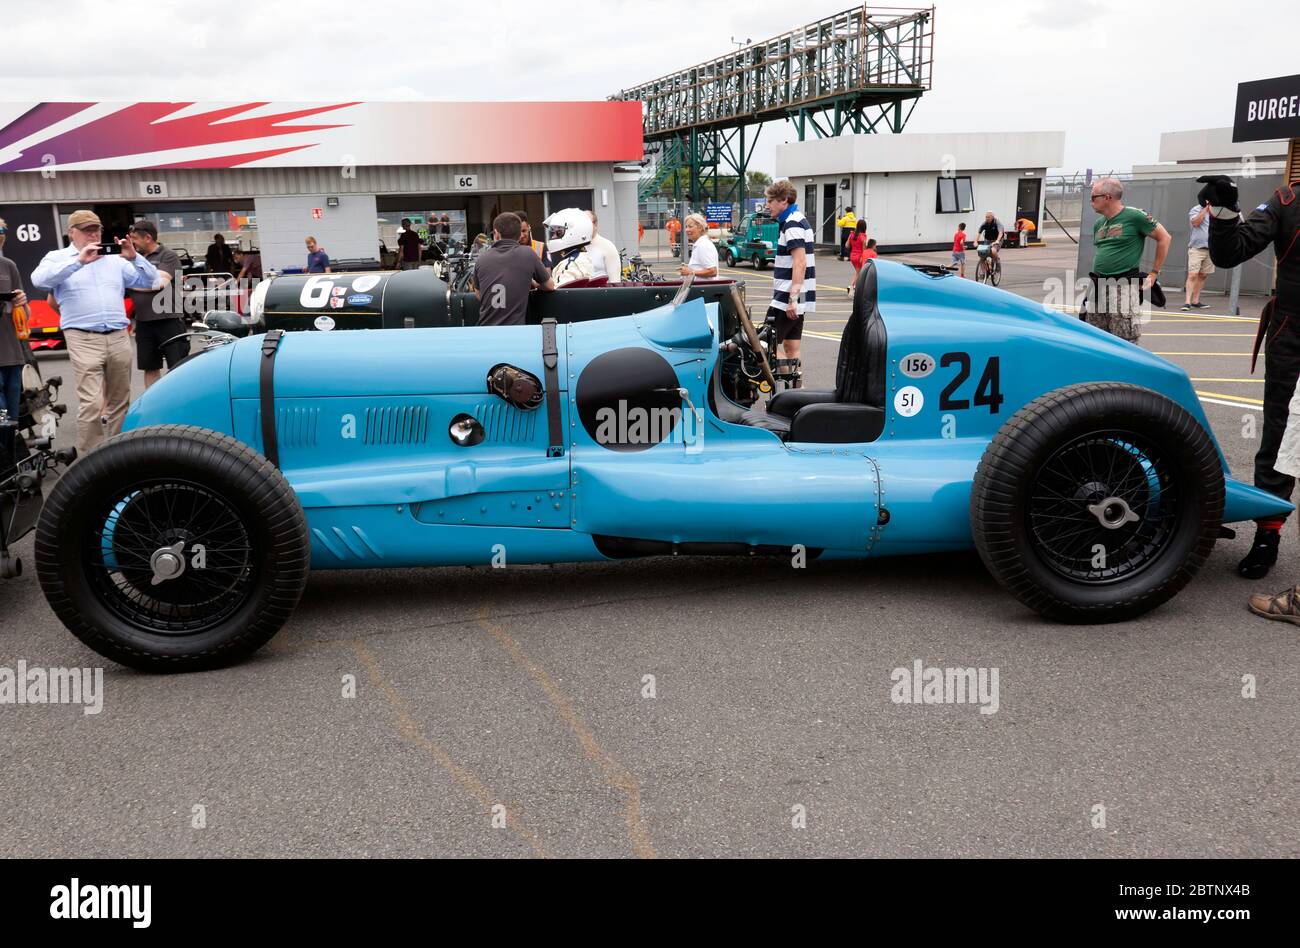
x: 400, y: 424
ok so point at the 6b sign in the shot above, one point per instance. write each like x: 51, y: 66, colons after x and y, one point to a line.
x: 33, y: 232
x: 153, y: 189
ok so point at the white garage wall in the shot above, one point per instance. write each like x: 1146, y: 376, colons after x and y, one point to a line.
x: 347, y: 231
x: 900, y: 208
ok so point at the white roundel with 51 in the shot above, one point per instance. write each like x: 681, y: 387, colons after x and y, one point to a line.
x: 908, y: 401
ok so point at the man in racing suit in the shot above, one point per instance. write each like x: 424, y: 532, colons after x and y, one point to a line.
x: 1233, y: 240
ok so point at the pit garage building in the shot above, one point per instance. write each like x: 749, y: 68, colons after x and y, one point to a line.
x: 266, y: 175
x: 913, y: 189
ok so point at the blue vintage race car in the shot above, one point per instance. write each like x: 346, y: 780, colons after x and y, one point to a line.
x: 1081, y: 467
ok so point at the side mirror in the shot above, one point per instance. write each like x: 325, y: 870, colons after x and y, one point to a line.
x: 225, y: 321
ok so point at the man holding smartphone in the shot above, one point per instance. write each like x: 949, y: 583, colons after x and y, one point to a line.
x: 88, y: 282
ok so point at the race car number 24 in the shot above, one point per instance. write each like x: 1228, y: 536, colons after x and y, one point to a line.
x: 988, y: 393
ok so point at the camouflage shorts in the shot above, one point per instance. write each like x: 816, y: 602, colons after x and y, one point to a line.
x: 1117, y: 324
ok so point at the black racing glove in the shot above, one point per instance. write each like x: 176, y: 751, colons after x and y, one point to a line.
x: 1220, y: 193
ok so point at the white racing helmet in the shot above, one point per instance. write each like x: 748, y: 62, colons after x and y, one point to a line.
x: 567, y: 229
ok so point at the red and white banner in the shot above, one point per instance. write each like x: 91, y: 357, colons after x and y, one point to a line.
x: 76, y: 136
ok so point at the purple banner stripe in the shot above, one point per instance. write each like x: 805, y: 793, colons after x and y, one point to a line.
x: 41, y: 117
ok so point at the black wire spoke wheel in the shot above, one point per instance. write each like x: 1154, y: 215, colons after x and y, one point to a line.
x: 173, y: 548
x: 1103, y: 507
x: 172, y: 556
x: 995, y: 271
x: 1097, y: 502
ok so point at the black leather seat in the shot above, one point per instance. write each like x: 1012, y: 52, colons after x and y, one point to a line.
x: 855, y: 410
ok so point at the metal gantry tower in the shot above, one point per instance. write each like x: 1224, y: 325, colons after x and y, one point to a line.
x: 851, y: 72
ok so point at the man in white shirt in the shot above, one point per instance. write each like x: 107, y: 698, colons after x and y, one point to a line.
x: 704, y: 255
x: 89, y: 287
x: 604, y: 255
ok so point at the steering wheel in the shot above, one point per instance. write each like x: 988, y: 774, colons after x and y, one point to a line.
x: 751, y: 336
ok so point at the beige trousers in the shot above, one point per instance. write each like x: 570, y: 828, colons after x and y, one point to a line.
x: 102, y: 362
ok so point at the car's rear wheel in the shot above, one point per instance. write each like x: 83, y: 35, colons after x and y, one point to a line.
x: 173, y: 548
x: 760, y: 263
x: 1097, y: 502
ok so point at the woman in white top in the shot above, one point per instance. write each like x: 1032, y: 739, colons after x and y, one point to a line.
x: 704, y: 256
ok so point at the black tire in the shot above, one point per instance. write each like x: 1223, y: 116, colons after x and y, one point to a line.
x: 152, y: 488
x: 730, y: 258
x: 760, y: 263
x: 1093, y: 445
x: 995, y: 272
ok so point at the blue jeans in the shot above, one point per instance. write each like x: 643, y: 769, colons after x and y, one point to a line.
x: 11, y: 388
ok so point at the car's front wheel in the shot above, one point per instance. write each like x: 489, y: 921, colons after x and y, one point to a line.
x: 173, y: 548
x: 1097, y: 502
x: 730, y: 258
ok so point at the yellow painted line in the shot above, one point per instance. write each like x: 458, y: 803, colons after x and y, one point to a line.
x: 1231, y: 398
x: 1176, y: 315
x: 1181, y: 319
x: 756, y: 273
x: 1215, y: 316
x: 1251, y: 381
x: 614, y: 774
x: 411, y: 731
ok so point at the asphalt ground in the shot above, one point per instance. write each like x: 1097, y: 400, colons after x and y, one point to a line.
x: 691, y: 707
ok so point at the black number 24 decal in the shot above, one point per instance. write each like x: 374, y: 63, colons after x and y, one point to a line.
x: 987, y: 393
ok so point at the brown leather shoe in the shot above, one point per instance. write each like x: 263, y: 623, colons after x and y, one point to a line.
x: 1285, y: 606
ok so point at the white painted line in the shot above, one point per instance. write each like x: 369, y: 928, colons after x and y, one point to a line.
x: 1219, y: 401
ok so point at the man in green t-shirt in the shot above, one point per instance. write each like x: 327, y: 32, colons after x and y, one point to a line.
x: 1120, y: 232
x: 1118, y: 237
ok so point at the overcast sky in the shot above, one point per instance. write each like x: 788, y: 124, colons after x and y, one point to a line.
x: 1112, y: 75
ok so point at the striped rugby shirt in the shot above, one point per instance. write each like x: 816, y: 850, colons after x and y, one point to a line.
x: 795, y: 234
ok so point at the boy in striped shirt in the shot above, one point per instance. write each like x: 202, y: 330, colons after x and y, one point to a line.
x: 794, y: 274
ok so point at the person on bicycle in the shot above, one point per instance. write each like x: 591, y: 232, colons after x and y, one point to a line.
x: 990, y: 233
